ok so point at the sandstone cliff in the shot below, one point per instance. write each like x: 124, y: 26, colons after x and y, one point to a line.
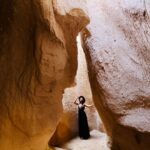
x: 38, y: 60
x: 116, y: 43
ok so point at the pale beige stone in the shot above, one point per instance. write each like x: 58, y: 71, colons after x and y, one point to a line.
x: 116, y: 44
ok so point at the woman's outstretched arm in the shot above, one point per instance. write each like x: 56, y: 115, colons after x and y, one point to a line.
x: 75, y: 102
x: 89, y: 106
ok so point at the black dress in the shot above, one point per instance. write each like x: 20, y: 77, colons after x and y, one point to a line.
x: 83, y: 124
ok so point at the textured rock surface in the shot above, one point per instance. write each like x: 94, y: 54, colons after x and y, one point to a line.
x: 38, y: 60
x: 117, y: 47
x: 68, y: 125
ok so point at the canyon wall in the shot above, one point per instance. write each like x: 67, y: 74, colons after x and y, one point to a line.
x: 117, y: 47
x: 38, y: 60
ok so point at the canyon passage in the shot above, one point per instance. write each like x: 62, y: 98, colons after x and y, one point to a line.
x: 53, y: 51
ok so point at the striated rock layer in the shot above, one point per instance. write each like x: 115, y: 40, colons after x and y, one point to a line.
x: 117, y: 47
x: 38, y: 60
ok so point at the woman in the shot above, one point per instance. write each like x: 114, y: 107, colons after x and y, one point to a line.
x: 82, y: 119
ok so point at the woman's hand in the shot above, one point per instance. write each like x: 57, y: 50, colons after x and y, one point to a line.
x: 89, y: 106
x: 75, y: 102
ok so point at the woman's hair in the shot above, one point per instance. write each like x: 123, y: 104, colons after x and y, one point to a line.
x: 81, y: 99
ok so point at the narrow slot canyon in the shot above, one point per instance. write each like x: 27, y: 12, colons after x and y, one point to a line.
x: 52, y: 52
x: 66, y: 134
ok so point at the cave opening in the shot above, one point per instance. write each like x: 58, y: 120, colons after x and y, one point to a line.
x: 66, y: 134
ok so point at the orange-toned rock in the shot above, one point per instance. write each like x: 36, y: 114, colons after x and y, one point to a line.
x: 38, y: 60
x: 116, y: 43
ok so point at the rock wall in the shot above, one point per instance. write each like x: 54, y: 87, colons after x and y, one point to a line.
x: 38, y: 60
x: 117, y: 47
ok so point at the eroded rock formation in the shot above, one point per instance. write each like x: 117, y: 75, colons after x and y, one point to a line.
x: 117, y: 47
x: 38, y: 60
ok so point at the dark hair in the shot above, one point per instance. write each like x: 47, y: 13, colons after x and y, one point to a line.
x: 81, y: 99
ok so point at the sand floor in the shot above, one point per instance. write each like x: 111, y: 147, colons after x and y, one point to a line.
x: 98, y: 141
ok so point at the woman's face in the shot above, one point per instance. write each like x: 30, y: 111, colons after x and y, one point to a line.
x: 81, y: 100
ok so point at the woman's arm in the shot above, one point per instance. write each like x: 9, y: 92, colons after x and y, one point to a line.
x: 75, y: 102
x: 89, y: 106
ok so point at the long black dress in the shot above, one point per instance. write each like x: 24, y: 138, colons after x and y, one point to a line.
x: 83, y: 124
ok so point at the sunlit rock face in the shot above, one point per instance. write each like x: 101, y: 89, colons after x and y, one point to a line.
x: 117, y: 47
x: 38, y: 60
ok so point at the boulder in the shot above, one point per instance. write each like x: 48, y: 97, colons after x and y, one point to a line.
x: 116, y: 44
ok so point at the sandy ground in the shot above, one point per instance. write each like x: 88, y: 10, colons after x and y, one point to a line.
x: 98, y: 141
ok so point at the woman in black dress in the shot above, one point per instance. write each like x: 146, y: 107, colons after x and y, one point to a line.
x: 82, y: 119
